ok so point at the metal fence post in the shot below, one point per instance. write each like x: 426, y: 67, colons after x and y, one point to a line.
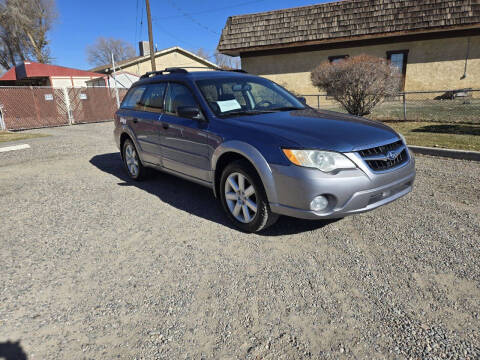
x: 3, y: 127
x: 67, y: 105
x: 404, y: 107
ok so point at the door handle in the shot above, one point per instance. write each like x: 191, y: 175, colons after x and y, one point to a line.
x: 135, y: 121
x: 165, y: 125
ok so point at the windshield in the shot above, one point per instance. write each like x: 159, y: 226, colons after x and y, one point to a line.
x: 237, y: 96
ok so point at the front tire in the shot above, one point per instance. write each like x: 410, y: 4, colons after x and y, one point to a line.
x: 131, y: 160
x: 243, y: 198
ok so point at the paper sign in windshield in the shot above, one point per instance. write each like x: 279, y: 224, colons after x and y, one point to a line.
x: 228, y: 105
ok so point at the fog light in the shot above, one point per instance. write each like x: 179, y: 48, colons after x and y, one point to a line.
x: 319, y: 203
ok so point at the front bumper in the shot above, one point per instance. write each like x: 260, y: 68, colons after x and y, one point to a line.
x: 349, y: 191
x: 116, y: 136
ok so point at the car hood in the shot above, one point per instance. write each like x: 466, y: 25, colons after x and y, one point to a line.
x: 321, y: 129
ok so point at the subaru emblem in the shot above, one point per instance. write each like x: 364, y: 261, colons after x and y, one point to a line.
x: 391, y: 155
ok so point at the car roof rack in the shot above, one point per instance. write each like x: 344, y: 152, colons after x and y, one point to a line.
x: 205, y: 67
x: 181, y: 70
x: 176, y: 70
x: 161, y: 72
x: 233, y: 70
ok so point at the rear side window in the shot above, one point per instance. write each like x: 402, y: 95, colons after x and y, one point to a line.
x: 133, y: 97
x: 153, y: 98
x: 177, y: 96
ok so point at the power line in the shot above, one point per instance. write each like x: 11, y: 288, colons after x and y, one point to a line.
x: 210, y: 10
x: 136, y: 24
x: 191, y: 18
x: 173, y: 36
x: 141, y: 22
x: 183, y: 41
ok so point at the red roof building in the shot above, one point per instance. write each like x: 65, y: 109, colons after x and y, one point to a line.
x: 30, y: 73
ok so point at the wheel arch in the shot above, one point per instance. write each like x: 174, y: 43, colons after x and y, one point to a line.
x: 123, y: 137
x: 237, y: 150
x: 127, y: 133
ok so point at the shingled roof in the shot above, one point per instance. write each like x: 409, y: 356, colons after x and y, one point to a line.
x: 105, y: 69
x: 344, y: 20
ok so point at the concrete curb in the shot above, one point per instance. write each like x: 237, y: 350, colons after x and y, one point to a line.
x: 448, y: 153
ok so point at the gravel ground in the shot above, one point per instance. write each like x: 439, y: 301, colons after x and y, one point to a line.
x: 96, y: 267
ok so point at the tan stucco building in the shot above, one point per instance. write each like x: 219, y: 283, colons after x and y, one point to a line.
x: 171, y: 57
x: 434, y: 43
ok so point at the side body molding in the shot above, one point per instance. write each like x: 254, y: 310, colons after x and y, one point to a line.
x: 257, y: 160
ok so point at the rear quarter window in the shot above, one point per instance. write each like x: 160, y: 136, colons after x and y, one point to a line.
x: 133, y: 96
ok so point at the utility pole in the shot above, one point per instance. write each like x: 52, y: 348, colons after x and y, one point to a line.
x: 150, y: 35
x: 115, y: 81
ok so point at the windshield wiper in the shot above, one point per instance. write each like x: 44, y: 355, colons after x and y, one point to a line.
x: 245, y: 112
x: 286, y: 108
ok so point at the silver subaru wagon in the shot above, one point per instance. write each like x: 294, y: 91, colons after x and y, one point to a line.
x: 262, y: 151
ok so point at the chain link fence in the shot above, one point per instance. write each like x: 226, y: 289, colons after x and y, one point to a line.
x: 36, y: 107
x: 452, y: 106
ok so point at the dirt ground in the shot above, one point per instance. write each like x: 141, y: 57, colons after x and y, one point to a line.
x: 93, y: 266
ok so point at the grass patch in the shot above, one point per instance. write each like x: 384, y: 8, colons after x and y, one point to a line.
x: 449, y: 111
x: 13, y: 136
x: 457, y: 110
x: 431, y: 134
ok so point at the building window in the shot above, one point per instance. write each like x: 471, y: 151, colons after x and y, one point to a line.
x: 334, y: 59
x: 398, y: 59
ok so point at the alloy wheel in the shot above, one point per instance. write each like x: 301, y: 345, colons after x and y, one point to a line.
x: 131, y: 160
x: 240, y: 197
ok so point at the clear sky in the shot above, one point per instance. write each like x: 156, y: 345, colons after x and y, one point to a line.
x: 190, y: 24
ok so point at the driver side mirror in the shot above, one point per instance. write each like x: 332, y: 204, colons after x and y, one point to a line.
x: 190, y: 112
x: 302, y: 100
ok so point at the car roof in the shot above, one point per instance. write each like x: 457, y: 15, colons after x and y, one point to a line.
x: 193, y: 76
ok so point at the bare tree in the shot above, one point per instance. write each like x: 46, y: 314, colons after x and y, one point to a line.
x: 202, y: 53
x: 100, y: 53
x: 224, y: 61
x: 358, y: 83
x: 24, y: 25
x: 227, y: 62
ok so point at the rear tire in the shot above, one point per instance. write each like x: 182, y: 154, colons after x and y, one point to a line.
x: 244, y: 199
x: 131, y: 160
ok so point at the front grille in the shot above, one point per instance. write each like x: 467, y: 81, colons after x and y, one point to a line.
x: 376, y: 157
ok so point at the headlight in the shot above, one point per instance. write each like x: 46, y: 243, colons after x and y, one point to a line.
x: 325, y: 161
